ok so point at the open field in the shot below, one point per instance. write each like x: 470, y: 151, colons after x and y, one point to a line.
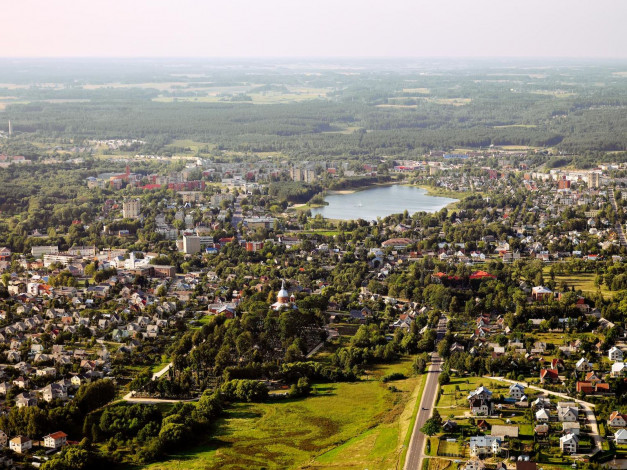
x: 440, y: 464
x: 580, y: 281
x: 231, y: 96
x: 527, y: 126
x: 433, y: 191
x: 345, y: 425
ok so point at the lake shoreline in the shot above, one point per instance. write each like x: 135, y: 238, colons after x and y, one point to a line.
x: 356, y: 189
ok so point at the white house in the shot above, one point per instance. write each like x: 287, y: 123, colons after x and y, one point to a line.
x: 619, y: 369
x: 542, y: 416
x: 568, y: 443
x: 583, y: 365
x: 567, y: 412
x: 481, y: 445
x: 516, y: 391
x: 617, y: 420
x: 615, y: 354
x: 20, y: 444
x: 620, y: 436
x: 55, y: 440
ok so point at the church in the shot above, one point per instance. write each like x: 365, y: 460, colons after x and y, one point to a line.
x: 283, y: 299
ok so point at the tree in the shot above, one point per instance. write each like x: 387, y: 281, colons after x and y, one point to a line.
x: 444, y: 378
x: 431, y: 427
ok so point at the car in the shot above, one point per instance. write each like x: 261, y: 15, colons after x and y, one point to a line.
x: 425, y: 409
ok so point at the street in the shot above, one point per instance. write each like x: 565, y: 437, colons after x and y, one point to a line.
x: 417, y: 442
x: 619, y: 227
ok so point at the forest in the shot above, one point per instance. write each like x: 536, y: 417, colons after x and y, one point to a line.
x: 377, y: 111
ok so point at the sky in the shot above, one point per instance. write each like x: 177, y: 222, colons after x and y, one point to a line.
x: 314, y: 28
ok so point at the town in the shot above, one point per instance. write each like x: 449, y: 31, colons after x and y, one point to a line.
x: 209, y: 282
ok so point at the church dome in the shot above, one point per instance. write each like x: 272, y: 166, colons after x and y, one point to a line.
x: 283, y: 295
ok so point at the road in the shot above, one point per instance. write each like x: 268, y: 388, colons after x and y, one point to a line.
x: 427, y: 404
x: 587, y: 406
x: 165, y: 370
x: 237, y: 216
x: 619, y: 226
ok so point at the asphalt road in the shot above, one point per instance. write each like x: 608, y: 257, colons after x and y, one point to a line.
x: 619, y: 226
x: 417, y: 442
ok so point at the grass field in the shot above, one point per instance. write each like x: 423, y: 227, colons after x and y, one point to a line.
x: 345, y: 425
x: 432, y: 191
x: 449, y: 448
x: 440, y: 464
x: 455, y: 402
x: 580, y: 281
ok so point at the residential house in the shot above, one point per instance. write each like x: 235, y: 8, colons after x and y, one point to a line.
x: 617, y: 420
x: 480, y: 401
x: 583, y: 365
x: 549, y: 376
x: 568, y: 443
x: 615, y: 354
x: 620, y: 436
x: 25, y: 400
x: 542, y: 430
x: 482, y: 445
x: 540, y: 293
x: 449, y: 426
x: 567, y: 411
x: 542, y: 416
x: 516, y: 391
x: 20, y: 444
x: 619, y: 369
x: 53, y: 391
x: 571, y: 427
x: 55, y: 440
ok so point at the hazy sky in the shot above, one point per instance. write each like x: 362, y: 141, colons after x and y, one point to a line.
x: 313, y: 28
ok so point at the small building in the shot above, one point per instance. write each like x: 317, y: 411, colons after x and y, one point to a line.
x: 541, y: 293
x: 525, y: 464
x: 480, y: 401
x: 615, y: 354
x: 568, y: 443
x: 20, y: 444
x: 482, y: 445
x: 571, y: 427
x: 619, y: 369
x: 516, y: 391
x: 55, y: 440
x: 583, y: 365
x: 567, y: 412
x: 542, y: 416
x: 541, y: 430
x: 617, y: 420
x: 549, y: 376
x: 620, y: 436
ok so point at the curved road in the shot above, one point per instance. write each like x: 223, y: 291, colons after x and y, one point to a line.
x: 417, y: 442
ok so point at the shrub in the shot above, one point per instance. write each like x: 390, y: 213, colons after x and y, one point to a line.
x: 392, y: 376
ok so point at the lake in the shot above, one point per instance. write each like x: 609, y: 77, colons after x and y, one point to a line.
x: 380, y: 201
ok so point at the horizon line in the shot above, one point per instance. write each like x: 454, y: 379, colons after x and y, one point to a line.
x: 357, y: 58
